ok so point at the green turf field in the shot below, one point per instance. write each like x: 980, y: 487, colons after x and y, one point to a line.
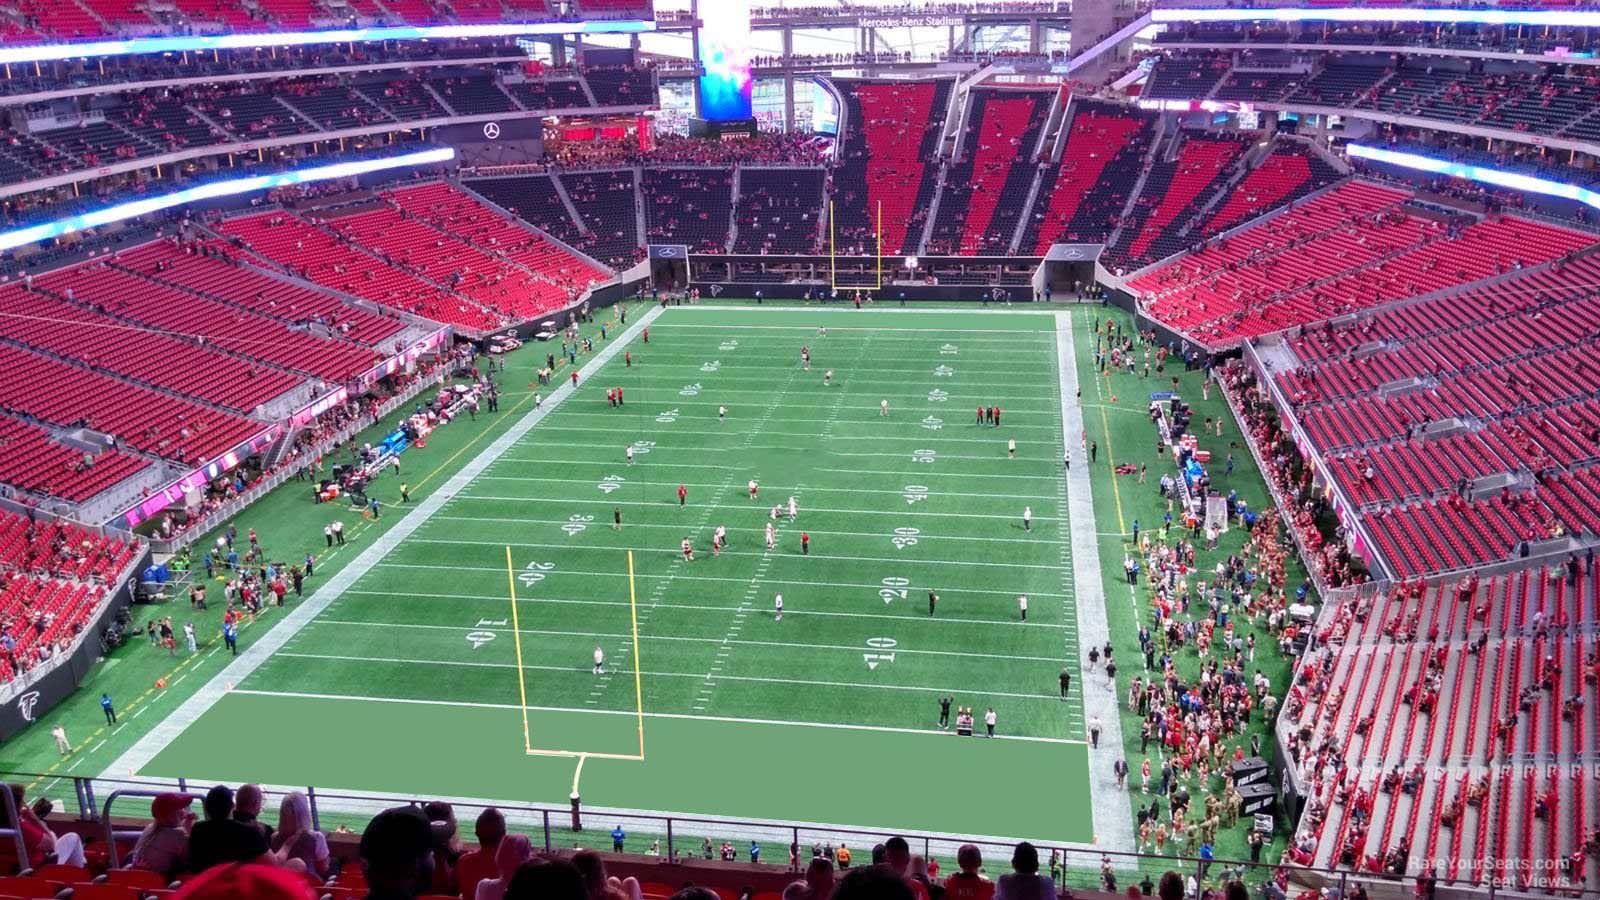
x: 408, y: 682
x: 451, y: 726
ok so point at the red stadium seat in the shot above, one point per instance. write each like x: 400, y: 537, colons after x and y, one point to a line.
x: 136, y: 878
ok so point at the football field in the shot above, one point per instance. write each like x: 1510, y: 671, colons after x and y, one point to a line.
x: 454, y: 657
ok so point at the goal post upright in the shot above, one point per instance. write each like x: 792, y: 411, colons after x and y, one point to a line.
x: 833, y: 261
x: 880, y: 247
x: 638, y: 676
x: 516, y: 640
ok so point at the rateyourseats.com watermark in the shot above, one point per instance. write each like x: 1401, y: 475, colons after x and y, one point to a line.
x: 1523, y: 873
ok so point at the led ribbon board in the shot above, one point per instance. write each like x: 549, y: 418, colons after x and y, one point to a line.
x: 1485, y: 174
x: 1393, y: 15
x: 725, y: 82
x: 199, y: 43
x: 20, y: 237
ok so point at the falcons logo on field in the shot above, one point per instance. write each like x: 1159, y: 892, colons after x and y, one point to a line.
x: 26, y: 703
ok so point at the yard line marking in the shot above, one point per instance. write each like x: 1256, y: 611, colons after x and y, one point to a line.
x: 559, y: 573
x: 815, y: 509
x: 911, y: 616
x: 708, y: 485
x: 580, y: 669
x: 633, y: 429
x: 792, y: 645
x: 933, y: 472
x: 908, y: 387
x: 880, y: 559
x: 932, y: 732
x: 145, y: 749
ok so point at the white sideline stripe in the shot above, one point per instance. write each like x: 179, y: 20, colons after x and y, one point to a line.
x: 698, y: 676
x: 909, y: 512
x: 792, y: 645
x: 642, y: 575
x: 706, y: 485
x: 877, y: 559
x: 1113, y: 815
x: 910, y: 617
x: 886, y: 729
x: 251, y: 658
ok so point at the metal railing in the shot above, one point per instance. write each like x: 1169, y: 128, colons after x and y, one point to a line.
x: 675, y: 838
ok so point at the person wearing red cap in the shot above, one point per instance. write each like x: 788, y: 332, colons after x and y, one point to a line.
x: 163, y: 846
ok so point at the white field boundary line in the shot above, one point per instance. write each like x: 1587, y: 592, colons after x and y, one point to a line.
x: 698, y: 676
x: 461, y: 704
x: 1113, y: 814
x: 251, y: 658
x: 893, y: 560
x: 398, y: 596
x: 852, y: 649
x: 558, y: 573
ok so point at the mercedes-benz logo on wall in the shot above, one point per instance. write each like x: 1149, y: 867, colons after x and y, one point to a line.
x: 1073, y: 253
x: 667, y: 252
x: 491, y: 130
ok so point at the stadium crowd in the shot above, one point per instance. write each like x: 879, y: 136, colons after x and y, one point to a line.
x: 1322, y: 539
x: 233, y: 848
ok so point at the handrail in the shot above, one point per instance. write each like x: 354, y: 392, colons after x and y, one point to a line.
x: 13, y: 815
x: 1078, y: 859
x: 105, y: 816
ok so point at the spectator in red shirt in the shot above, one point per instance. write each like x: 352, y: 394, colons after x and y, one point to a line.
x: 477, y: 865
x: 967, y: 884
x: 42, y: 844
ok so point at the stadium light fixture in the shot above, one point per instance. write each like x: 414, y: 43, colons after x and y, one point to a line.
x: 1400, y: 15
x: 1515, y: 181
x: 231, y: 41
x: 33, y: 234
